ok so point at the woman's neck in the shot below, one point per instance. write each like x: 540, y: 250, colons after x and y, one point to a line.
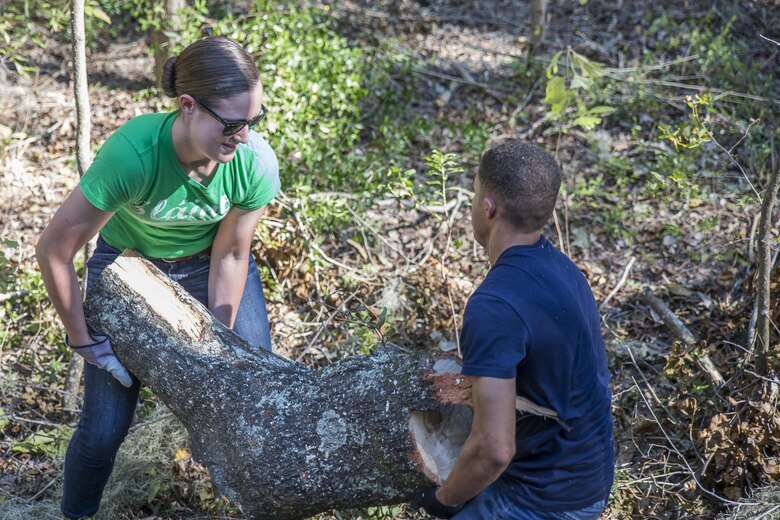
x: 195, y: 164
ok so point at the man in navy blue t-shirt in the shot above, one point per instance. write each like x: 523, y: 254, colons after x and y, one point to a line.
x: 531, y: 330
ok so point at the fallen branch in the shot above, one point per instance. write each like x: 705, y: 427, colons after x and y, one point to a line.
x: 281, y: 440
x: 696, y: 88
x: 493, y: 90
x: 682, y: 332
x: 620, y: 283
x: 12, y: 295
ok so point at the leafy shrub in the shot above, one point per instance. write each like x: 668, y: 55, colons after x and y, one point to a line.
x: 572, y: 84
x: 314, y: 82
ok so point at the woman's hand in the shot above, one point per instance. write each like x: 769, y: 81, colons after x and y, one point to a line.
x: 100, y: 354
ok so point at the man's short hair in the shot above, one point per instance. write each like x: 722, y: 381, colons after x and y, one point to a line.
x: 525, y: 181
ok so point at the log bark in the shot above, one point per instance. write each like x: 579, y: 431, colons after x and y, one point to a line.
x: 281, y: 440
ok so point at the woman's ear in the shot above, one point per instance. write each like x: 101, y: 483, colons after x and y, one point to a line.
x: 186, y: 104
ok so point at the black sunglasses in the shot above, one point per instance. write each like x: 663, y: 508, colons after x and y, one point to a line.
x: 232, y: 127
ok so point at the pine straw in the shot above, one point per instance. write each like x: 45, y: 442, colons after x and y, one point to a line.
x: 766, y: 505
x: 19, y: 509
x: 144, y: 461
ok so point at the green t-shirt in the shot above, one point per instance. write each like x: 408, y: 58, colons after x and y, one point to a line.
x: 159, y: 210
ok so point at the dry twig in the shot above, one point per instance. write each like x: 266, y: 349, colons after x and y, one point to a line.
x: 770, y: 39
x: 683, y: 459
x: 682, y: 332
x: 11, y: 295
x: 620, y: 283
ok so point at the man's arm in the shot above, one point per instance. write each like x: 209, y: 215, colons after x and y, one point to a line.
x: 229, y: 261
x: 490, y: 446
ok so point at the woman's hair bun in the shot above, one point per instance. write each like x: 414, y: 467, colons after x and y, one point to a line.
x: 168, y: 80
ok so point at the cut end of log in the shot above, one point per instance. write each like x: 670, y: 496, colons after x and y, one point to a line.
x: 439, y: 436
x: 449, y: 385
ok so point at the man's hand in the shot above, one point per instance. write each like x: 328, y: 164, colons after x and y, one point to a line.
x: 428, y: 501
x: 101, y: 355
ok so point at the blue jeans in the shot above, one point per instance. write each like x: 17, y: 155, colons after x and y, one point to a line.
x: 494, y: 504
x: 109, y: 407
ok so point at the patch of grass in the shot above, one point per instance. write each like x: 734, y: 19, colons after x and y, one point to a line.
x: 762, y: 503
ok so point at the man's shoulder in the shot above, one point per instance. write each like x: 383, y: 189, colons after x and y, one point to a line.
x: 505, y: 286
x: 527, y: 272
x: 493, y: 336
x: 492, y: 307
x: 257, y: 151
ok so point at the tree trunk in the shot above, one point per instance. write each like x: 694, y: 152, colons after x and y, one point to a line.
x: 279, y: 439
x: 83, y: 160
x: 170, y: 23
x: 765, y: 243
x: 80, y: 88
x: 538, y: 22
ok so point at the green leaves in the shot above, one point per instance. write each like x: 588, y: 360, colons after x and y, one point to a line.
x: 92, y: 9
x: 443, y: 164
x: 51, y: 443
x: 592, y: 116
x: 587, y: 68
x: 556, y: 95
x: 4, y: 243
x: 588, y: 122
x: 315, y: 83
x: 691, y: 133
x: 573, y: 85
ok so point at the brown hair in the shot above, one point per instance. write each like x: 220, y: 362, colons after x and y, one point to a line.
x: 525, y: 181
x: 211, y: 69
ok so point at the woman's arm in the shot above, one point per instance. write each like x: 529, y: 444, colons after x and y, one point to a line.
x: 74, y: 223
x: 229, y: 261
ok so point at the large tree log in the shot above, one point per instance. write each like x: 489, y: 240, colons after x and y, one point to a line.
x: 279, y: 439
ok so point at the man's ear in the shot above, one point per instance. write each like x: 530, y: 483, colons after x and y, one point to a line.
x: 490, y: 207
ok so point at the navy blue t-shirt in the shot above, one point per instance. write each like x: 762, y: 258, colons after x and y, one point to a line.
x: 534, y: 318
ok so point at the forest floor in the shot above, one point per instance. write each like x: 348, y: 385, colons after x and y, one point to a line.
x: 635, y: 214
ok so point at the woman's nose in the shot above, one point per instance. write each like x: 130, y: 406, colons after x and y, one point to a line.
x: 242, y: 136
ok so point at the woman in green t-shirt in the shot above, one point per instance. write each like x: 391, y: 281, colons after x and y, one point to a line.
x: 186, y: 189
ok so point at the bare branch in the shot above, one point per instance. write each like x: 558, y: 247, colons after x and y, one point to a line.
x: 770, y: 40
x: 620, y: 283
x: 679, y: 329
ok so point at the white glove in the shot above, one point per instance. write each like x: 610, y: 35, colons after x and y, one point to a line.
x: 101, y: 355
